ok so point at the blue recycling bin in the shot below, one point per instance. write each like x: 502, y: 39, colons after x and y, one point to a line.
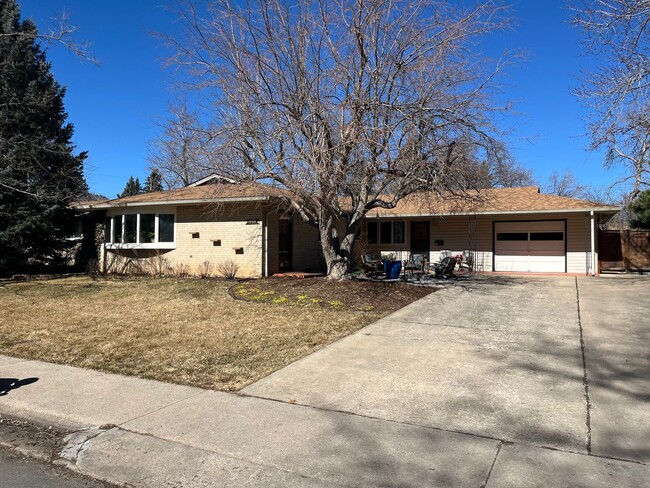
x: 393, y: 269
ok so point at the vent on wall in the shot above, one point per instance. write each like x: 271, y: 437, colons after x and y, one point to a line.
x: 239, y: 250
x: 195, y: 235
x: 216, y: 242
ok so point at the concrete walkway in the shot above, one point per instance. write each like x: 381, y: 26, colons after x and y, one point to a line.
x: 479, y: 385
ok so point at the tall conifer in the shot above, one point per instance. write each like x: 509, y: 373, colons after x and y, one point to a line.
x: 39, y: 173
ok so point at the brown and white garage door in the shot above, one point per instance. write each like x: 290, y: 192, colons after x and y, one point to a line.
x: 537, y: 246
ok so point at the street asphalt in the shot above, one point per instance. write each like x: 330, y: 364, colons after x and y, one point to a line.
x: 492, y: 382
x: 18, y: 471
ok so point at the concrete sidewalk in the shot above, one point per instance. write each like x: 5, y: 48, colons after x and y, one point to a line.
x: 151, y: 434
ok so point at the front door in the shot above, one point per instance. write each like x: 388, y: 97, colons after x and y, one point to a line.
x: 420, y: 237
x: 284, y: 244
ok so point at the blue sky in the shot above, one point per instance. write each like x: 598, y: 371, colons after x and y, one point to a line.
x: 114, y: 106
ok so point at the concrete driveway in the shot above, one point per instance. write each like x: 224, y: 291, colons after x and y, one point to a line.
x: 559, y: 363
x: 483, y: 384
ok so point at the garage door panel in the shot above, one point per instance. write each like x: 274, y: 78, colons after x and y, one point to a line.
x: 546, y: 252
x: 512, y: 248
x: 543, y: 250
x: 511, y: 263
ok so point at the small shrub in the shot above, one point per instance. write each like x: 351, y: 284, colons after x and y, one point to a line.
x: 157, y: 266
x: 206, y: 269
x: 228, y: 269
x: 92, y: 268
x: 181, y: 270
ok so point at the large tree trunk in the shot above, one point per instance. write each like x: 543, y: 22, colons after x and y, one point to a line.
x: 337, y: 251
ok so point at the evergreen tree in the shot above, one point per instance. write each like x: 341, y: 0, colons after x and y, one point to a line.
x: 640, y: 210
x: 153, y: 182
x: 132, y: 187
x: 39, y: 173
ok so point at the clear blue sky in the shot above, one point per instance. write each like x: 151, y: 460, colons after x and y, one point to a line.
x: 114, y: 106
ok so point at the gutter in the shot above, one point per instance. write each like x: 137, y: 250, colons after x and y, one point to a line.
x: 171, y: 202
x: 495, y: 212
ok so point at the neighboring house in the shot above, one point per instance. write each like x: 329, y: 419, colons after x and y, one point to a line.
x: 214, y: 220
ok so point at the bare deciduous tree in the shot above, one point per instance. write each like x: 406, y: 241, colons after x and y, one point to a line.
x: 60, y: 32
x: 346, y: 105
x: 565, y: 185
x: 181, y: 153
x: 617, y: 31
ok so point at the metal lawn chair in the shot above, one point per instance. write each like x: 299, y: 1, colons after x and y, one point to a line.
x: 415, y: 262
x: 445, y: 269
x: 372, y: 266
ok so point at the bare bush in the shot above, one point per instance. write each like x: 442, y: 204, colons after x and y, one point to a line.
x: 206, y: 269
x: 157, y: 266
x: 181, y: 270
x: 228, y: 269
x: 92, y: 268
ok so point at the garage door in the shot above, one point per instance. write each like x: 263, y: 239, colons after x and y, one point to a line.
x: 530, y: 246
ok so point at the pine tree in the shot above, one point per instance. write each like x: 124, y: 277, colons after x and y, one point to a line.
x: 640, y: 210
x: 39, y: 173
x: 131, y: 188
x: 153, y: 182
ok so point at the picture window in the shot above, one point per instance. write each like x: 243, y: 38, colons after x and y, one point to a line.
x: 136, y: 229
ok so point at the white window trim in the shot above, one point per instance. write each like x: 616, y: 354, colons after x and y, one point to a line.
x: 392, y: 233
x: 138, y: 244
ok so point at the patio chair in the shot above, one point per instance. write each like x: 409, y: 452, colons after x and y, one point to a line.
x: 445, y: 269
x: 415, y: 262
x: 468, y: 260
x: 372, y: 266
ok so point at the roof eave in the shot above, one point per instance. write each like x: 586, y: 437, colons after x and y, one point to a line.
x: 102, y: 206
x: 503, y: 212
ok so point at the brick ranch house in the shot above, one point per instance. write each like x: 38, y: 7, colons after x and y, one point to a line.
x: 214, y: 221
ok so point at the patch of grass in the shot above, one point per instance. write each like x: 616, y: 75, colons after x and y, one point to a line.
x: 184, y: 331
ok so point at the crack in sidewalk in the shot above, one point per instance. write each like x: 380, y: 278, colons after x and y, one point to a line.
x: 585, y: 377
x: 78, y: 442
x: 494, y: 461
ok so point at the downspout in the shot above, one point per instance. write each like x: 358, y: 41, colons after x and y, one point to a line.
x: 593, y: 270
x: 265, y: 271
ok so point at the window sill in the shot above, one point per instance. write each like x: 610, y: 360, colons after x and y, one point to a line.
x: 149, y: 245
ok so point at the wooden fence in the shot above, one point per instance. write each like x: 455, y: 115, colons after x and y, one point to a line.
x: 625, y: 250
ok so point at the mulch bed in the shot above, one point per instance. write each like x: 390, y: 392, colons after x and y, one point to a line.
x: 367, y: 296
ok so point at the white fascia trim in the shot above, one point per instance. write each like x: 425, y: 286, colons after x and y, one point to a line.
x: 213, y: 176
x: 173, y: 202
x: 505, y: 212
x: 148, y: 245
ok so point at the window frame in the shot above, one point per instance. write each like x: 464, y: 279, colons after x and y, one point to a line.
x: 376, y: 236
x: 117, y: 242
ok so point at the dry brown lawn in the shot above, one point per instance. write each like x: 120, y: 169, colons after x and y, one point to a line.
x: 185, y: 331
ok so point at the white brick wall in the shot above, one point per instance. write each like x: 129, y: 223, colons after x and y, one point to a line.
x: 236, y: 226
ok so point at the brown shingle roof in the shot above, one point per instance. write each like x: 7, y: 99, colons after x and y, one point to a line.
x: 494, y: 200
x: 207, y: 193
